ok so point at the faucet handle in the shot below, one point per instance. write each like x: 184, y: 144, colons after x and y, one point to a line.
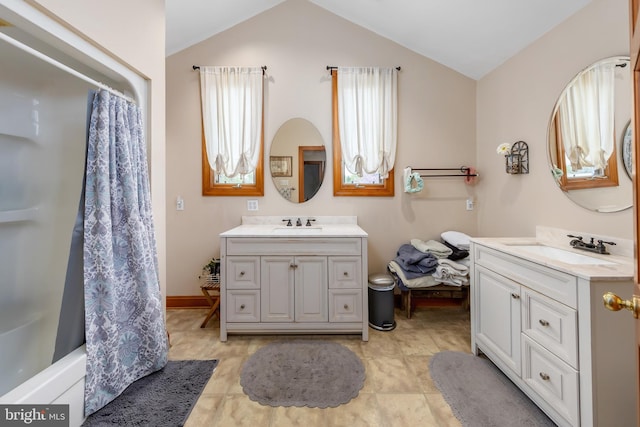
x: 288, y: 221
x: 600, y: 242
x: 575, y: 237
x: 308, y: 224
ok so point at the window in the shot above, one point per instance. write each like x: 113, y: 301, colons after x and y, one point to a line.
x: 233, y: 131
x: 345, y: 182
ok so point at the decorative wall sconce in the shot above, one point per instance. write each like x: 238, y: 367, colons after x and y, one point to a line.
x: 516, y: 157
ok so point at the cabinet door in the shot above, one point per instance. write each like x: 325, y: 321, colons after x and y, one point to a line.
x: 311, y: 293
x: 277, y: 290
x: 498, y: 316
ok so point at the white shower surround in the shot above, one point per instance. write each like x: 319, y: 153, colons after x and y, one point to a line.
x: 62, y: 382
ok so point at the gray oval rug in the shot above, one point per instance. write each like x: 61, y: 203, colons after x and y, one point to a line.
x: 312, y: 373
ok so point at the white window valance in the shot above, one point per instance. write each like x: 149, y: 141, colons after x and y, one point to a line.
x: 587, y: 118
x: 232, y: 117
x: 367, y: 118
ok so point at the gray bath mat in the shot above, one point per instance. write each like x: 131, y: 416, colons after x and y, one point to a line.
x: 480, y: 395
x: 312, y: 373
x: 163, y: 398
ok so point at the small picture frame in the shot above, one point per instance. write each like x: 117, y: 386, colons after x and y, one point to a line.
x: 280, y: 165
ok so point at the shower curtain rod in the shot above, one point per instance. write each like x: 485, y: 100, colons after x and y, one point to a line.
x: 333, y: 67
x: 63, y: 67
x: 264, y: 68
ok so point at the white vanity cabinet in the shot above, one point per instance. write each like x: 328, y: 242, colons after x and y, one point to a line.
x: 546, y: 328
x: 312, y: 283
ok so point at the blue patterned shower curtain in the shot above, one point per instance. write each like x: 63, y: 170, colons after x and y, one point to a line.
x: 124, y: 320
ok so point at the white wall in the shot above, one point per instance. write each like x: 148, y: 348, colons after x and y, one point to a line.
x: 515, y: 101
x: 296, y: 40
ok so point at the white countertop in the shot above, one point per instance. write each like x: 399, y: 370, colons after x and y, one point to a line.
x: 274, y: 226
x: 622, y: 267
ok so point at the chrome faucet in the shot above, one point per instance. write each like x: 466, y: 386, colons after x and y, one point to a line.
x: 598, y: 248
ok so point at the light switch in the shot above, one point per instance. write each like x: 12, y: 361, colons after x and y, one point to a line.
x: 179, y: 204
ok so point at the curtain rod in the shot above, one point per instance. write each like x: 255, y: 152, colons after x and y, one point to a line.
x: 264, y: 68
x: 333, y: 67
x: 63, y: 67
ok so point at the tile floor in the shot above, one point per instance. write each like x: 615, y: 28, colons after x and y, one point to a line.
x: 398, y: 390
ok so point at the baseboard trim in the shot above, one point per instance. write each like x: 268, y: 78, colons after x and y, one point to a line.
x: 187, y: 301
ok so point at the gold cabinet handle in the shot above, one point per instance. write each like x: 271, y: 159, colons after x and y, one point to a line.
x: 543, y: 322
x: 614, y: 303
x: 544, y: 376
x: 515, y: 296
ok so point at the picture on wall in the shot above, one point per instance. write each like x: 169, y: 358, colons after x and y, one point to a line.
x: 280, y: 165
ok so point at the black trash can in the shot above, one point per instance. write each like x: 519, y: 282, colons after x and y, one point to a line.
x: 381, y: 302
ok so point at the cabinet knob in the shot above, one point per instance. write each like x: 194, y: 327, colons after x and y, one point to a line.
x: 242, y: 273
x: 294, y: 266
x: 515, y: 296
x: 242, y: 307
x: 543, y: 322
x: 544, y: 376
x: 346, y: 306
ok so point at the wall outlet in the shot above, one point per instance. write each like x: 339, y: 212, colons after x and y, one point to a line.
x: 469, y: 204
x: 252, y: 205
x: 179, y: 204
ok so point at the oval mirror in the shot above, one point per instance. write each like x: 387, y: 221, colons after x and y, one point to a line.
x: 589, y: 137
x: 297, y: 160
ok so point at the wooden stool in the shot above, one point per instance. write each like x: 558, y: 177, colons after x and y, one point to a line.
x: 211, y: 291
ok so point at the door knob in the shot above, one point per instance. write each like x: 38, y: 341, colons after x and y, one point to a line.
x: 614, y: 303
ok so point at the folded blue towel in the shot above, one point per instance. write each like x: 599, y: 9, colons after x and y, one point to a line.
x: 411, y: 260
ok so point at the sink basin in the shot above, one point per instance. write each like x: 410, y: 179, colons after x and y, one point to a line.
x: 562, y: 255
x: 297, y: 230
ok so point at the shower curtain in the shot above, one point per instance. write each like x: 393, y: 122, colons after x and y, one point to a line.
x: 124, y: 321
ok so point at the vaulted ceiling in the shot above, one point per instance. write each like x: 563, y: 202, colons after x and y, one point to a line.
x: 470, y: 36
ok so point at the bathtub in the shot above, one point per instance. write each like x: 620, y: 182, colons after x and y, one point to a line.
x: 60, y: 383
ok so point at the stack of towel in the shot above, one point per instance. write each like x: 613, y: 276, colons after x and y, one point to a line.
x: 459, y: 244
x: 457, y: 239
x: 451, y: 273
x: 429, y: 263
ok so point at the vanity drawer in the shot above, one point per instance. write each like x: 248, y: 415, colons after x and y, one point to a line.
x: 551, y: 324
x: 558, y: 285
x: 242, y: 272
x: 294, y: 246
x: 345, y: 305
x: 243, y: 306
x: 345, y: 272
x: 552, y: 379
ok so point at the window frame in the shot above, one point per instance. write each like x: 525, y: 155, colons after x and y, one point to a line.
x: 340, y: 188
